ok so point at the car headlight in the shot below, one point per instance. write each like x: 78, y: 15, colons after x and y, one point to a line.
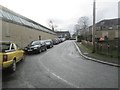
x: 35, y: 48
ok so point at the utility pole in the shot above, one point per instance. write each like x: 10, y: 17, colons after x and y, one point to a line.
x: 93, y: 29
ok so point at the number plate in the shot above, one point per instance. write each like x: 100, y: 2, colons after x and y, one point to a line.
x: 29, y: 50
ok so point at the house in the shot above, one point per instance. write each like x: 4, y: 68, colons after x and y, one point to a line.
x: 107, y: 28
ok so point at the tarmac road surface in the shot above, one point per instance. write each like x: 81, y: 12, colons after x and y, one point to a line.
x: 61, y: 67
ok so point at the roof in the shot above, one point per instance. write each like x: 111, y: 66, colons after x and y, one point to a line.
x: 9, y: 15
x: 109, y: 22
x: 62, y: 31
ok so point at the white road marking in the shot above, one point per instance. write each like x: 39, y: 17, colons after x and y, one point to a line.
x: 59, y: 76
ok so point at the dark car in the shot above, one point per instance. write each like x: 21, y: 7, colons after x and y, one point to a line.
x: 62, y: 39
x: 36, y: 47
x: 43, y: 45
x: 56, y: 41
x: 49, y: 43
x: 59, y: 40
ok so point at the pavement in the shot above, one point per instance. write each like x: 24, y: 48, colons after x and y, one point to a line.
x: 61, y: 67
x: 96, y: 57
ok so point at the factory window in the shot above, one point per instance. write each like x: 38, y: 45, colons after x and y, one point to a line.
x: 5, y: 14
x: 17, y: 19
x: 1, y: 13
x: 10, y: 17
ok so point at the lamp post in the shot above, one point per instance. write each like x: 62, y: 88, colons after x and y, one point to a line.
x: 93, y: 29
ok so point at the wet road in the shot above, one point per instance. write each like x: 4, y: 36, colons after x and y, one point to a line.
x: 61, y: 67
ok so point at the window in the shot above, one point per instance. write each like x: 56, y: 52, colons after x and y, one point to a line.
x: 1, y: 13
x: 28, y: 23
x: 12, y: 47
x: 16, y: 19
x: 9, y: 16
x: 35, y: 43
x: 33, y: 25
x: 5, y: 15
x: 43, y: 43
x: 4, y: 46
x: 24, y: 22
x: 36, y: 26
x: 17, y: 46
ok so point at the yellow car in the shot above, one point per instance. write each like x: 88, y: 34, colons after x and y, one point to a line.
x: 10, y: 54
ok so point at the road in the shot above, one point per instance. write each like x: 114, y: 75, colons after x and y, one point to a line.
x: 61, y: 67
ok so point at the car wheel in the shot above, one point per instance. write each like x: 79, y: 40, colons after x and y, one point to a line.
x: 46, y: 49
x: 40, y: 51
x: 23, y: 58
x: 13, y: 67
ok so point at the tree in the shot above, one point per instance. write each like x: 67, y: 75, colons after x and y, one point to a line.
x: 52, y: 25
x: 83, y: 22
x: 82, y: 26
x: 77, y: 29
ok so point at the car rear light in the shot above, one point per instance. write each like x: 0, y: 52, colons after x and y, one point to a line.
x: 5, y: 58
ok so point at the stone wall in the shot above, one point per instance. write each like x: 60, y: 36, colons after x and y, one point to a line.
x: 22, y: 35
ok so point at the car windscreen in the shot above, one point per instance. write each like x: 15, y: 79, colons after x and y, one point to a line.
x: 35, y: 43
x: 4, y: 46
x: 47, y: 42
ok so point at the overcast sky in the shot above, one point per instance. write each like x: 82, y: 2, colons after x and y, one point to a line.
x: 64, y: 13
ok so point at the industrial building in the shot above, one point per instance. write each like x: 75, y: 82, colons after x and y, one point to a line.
x: 21, y: 30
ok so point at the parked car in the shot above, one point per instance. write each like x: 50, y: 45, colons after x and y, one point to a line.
x: 36, y: 47
x: 10, y: 54
x: 62, y: 39
x: 44, y: 46
x: 49, y: 43
x: 55, y: 41
x: 59, y: 40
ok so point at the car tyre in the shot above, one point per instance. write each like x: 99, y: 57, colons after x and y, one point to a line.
x: 23, y: 58
x: 46, y: 49
x: 40, y: 50
x: 13, y: 66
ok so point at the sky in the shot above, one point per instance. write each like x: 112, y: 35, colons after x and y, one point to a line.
x: 63, y: 13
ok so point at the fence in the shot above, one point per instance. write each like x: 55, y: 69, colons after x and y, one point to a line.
x: 109, y: 48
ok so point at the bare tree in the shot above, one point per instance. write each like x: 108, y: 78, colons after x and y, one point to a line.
x: 76, y: 29
x: 81, y: 28
x: 52, y: 25
x: 83, y: 23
